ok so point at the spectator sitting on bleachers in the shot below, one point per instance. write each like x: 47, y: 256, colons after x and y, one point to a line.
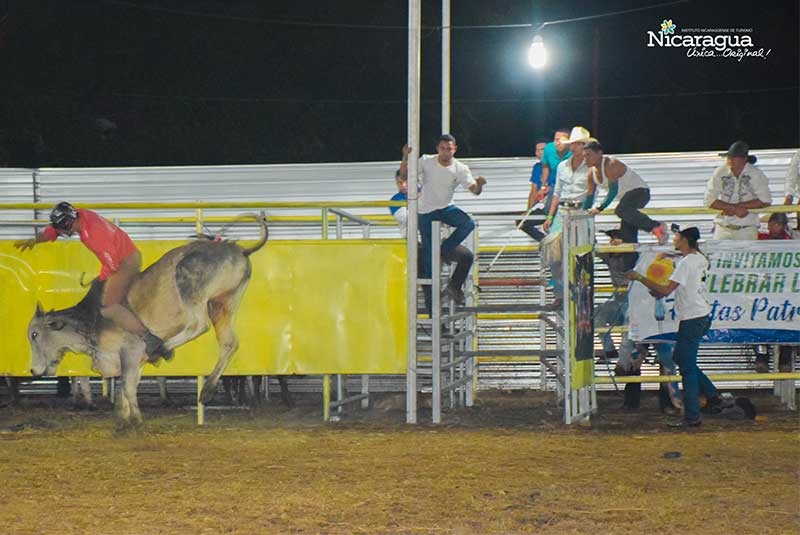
x: 792, y: 183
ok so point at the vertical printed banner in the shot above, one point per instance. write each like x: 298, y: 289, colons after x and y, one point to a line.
x: 753, y: 288
x: 581, y: 288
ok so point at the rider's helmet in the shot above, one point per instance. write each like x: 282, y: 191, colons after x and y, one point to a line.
x: 63, y: 215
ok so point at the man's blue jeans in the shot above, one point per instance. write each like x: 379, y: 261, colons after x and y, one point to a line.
x: 452, y: 216
x: 685, y: 356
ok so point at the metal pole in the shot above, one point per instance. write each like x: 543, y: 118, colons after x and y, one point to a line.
x: 201, y: 415
x: 566, y: 243
x: 542, y: 324
x: 365, y: 378
x: 472, y: 300
x: 445, y: 66
x: 436, y: 323
x: 326, y: 398
x: 595, y: 85
x: 198, y: 222
x: 365, y: 391
x: 339, y: 392
x: 414, y: 46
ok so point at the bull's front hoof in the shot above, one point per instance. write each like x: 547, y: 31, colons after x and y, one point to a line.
x: 122, y: 428
x: 80, y: 406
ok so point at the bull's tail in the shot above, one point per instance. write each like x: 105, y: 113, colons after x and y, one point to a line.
x: 262, y: 219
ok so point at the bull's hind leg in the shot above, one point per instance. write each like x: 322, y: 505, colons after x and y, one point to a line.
x: 222, y: 312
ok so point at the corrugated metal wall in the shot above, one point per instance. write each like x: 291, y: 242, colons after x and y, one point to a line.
x: 676, y: 179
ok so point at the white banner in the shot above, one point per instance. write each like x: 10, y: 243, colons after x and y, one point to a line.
x: 753, y: 288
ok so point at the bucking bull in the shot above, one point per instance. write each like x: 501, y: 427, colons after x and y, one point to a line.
x: 175, y: 298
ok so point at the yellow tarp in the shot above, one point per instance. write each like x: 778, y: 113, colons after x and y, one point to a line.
x: 312, y: 307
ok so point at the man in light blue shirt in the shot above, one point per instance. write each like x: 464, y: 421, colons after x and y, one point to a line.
x: 554, y: 153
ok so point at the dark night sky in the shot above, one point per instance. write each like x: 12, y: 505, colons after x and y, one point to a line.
x: 93, y: 82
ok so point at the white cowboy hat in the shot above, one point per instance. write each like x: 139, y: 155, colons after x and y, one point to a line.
x: 578, y: 134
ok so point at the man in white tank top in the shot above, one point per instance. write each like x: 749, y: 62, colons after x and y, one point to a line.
x: 621, y: 181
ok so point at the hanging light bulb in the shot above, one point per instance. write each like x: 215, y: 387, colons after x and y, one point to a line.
x: 537, y: 55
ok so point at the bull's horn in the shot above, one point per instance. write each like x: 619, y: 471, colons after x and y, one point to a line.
x: 39, y: 310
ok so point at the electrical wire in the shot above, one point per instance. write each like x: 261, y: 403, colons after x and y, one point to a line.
x: 255, y: 20
x: 312, y: 24
x: 284, y: 100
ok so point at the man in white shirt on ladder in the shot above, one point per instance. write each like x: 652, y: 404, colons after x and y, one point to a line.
x: 439, y: 175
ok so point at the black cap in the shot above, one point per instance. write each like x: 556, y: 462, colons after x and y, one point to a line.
x: 739, y: 148
x: 691, y: 234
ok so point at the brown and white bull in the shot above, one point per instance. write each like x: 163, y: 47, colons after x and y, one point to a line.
x: 175, y: 298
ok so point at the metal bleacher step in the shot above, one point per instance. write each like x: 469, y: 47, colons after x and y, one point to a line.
x: 512, y: 353
x: 483, y: 309
x: 510, y: 281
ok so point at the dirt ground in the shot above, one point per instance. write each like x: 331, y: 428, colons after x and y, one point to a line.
x: 504, y: 466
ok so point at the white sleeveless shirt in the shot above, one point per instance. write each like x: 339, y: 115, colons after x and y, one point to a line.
x: 628, y: 181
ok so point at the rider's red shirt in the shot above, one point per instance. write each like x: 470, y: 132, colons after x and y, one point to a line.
x: 107, y: 241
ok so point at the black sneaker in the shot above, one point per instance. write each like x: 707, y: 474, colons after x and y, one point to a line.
x: 455, y: 294
x: 556, y: 306
x: 719, y: 403
x: 685, y: 424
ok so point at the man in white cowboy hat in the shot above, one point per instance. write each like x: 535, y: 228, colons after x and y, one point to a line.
x: 570, y: 190
x: 736, y: 188
x: 571, y: 177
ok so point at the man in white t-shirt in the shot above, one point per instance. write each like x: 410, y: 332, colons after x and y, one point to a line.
x: 461, y: 256
x: 693, y: 314
x: 735, y: 188
x: 439, y: 175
